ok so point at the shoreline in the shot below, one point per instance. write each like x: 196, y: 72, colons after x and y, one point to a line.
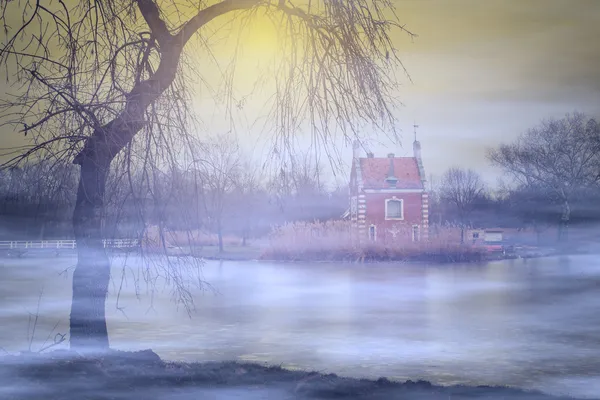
x: 290, y: 260
x: 63, y: 374
x: 259, y: 254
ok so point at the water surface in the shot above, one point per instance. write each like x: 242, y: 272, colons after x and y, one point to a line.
x: 531, y: 324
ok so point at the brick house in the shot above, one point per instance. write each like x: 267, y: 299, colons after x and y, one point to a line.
x: 388, y: 201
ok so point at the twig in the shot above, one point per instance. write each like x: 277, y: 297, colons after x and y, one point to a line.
x: 37, y: 314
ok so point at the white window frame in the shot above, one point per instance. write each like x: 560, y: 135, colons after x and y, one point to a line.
x: 374, y: 238
x: 401, y: 209
x: 416, y: 238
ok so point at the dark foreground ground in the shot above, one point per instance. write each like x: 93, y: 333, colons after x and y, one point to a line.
x: 143, y: 375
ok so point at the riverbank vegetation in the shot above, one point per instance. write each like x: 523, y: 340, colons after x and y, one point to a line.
x: 39, y: 196
x: 335, y: 241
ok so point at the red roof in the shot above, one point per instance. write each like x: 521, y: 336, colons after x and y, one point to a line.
x: 375, y: 170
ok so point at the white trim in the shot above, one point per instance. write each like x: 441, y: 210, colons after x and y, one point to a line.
x: 386, y: 190
x: 394, y: 198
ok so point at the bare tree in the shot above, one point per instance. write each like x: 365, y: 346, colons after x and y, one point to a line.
x: 461, y: 189
x: 249, y: 199
x: 436, y: 211
x: 559, y: 156
x: 103, y: 82
x: 218, y: 169
x: 298, y: 181
x: 40, y: 193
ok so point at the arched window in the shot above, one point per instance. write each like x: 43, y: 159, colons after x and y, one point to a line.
x: 394, y: 208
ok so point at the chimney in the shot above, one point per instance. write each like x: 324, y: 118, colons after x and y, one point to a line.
x: 370, y: 155
x: 391, y: 178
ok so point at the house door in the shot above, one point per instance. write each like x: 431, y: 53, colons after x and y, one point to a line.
x: 372, y: 233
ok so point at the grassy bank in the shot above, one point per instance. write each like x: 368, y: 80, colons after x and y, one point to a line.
x: 143, y: 375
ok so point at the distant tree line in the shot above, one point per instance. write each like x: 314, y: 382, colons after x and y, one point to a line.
x: 553, y: 172
x: 221, y: 192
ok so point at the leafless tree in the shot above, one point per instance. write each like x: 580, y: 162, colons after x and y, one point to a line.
x: 103, y: 82
x: 559, y: 156
x: 298, y: 178
x: 219, y: 170
x: 249, y: 198
x: 41, y: 190
x: 461, y: 189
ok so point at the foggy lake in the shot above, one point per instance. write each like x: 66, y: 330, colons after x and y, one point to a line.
x: 525, y: 323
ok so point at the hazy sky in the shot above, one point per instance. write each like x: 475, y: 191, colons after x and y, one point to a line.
x: 485, y: 70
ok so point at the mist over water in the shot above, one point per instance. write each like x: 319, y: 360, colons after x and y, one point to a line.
x: 525, y: 323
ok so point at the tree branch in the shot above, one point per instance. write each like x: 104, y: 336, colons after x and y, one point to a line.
x: 207, y: 14
x: 151, y: 15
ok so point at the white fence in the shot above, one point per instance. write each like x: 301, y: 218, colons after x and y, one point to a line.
x: 64, y: 244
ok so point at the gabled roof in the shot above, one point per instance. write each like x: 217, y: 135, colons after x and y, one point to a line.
x: 375, y: 170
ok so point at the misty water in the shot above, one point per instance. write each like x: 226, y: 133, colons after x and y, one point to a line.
x: 526, y: 323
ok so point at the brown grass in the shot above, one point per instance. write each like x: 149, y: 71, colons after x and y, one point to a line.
x: 333, y: 241
x: 193, y: 238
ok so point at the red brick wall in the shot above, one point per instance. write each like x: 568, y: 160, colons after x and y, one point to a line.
x: 376, y: 215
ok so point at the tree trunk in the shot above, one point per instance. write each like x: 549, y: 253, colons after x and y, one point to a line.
x: 92, y: 273
x: 245, y: 233
x: 43, y: 229
x: 220, y: 235
x: 564, y: 222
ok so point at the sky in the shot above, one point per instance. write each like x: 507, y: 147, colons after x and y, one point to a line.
x: 483, y: 71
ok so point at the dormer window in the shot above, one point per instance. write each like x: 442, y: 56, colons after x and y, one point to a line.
x: 392, y: 180
x: 394, y: 208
